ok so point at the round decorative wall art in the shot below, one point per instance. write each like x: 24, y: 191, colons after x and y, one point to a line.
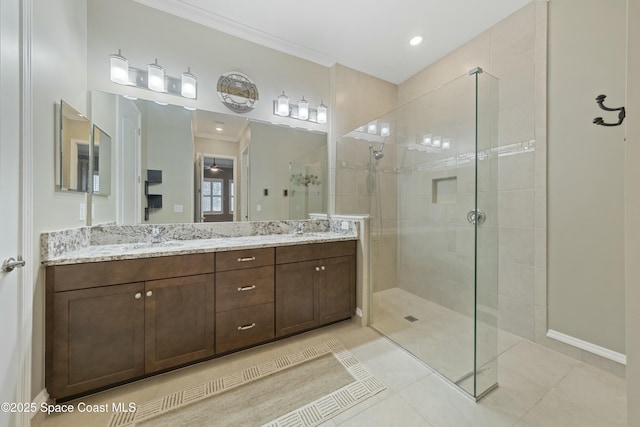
x: 237, y: 92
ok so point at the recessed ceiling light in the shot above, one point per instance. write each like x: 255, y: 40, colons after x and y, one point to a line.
x: 415, y: 41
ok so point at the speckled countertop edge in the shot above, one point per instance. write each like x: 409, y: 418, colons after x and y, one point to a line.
x: 144, y: 249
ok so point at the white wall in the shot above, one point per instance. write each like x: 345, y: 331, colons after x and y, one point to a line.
x: 58, y: 66
x: 632, y: 226
x: 586, y: 172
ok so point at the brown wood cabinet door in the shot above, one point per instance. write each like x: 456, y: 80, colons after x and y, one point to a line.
x: 97, y: 338
x: 336, y: 289
x: 296, y: 297
x: 179, y: 321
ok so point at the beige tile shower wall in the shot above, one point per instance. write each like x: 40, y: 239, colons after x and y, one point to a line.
x: 356, y: 99
x: 514, y: 51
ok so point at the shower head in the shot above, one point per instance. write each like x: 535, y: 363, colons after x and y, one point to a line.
x: 378, y: 154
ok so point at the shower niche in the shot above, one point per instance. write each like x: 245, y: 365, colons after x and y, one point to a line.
x: 444, y: 190
x: 429, y: 263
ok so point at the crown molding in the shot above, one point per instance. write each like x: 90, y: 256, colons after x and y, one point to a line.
x: 183, y: 9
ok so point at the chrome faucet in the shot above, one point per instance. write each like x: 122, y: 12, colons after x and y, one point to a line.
x: 300, y: 228
x: 156, y: 235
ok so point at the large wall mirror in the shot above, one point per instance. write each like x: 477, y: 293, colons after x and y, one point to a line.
x: 73, y: 147
x: 214, y: 166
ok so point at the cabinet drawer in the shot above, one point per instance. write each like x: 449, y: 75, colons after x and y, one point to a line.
x: 95, y: 274
x: 287, y: 254
x: 249, y: 258
x: 243, y: 288
x: 244, y: 327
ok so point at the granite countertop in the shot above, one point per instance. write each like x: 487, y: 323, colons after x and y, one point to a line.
x: 113, y: 252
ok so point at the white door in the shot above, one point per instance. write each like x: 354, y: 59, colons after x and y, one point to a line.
x: 129, y: 180
x: 15, y: 335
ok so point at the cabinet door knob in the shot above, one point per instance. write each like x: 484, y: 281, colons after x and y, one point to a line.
x: 322, y: 268
x: 246, y: 288
x: 149, y: 293
x: 317, y: 268
x: 138, y: 295
x: 245, y: 327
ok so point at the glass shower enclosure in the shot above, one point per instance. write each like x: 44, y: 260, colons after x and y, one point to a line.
x: 427, y: 175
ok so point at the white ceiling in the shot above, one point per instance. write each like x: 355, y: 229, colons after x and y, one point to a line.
x: 371, y: 36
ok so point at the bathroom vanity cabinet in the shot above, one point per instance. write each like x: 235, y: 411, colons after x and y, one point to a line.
x: 108, y: 322
x: 114, y: 321
x: 315, y: 285
x: 244, y: 298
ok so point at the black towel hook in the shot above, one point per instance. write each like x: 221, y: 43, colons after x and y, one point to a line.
x: 600, y: 121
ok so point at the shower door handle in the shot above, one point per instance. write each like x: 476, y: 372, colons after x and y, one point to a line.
x: 476, y: 216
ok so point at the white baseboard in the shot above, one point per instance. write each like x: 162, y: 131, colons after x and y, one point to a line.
x: 41, y: 398
x: 587, y: 346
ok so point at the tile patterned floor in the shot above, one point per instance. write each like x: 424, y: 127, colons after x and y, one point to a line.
x: 538, y: 387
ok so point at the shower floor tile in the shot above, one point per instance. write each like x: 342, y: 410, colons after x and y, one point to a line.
x: 441, y: 338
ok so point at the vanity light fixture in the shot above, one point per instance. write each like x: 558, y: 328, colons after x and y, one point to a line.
x: 282, y: 107
x: 153, y: 78
x: 301, y: 110
x: 372, y: 127
x: 322, y: 113
x: 437, y: 142
x: 446, y: 143
x: 385, y: 129
x: 119, y: 68
x: 426, y: 139
x: 189, y: 84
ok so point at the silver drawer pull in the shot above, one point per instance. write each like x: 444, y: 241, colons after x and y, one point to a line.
x: 251, y: 258
x: 245, y: 327
x: 246, y: 288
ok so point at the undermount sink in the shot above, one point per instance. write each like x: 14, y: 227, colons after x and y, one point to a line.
x: 312, y: 234
x: 148, y: 245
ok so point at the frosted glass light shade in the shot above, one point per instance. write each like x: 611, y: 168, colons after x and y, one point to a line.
x: 446, y: 143
x: 426, y: 139
x: 322, y: 113
x: 283, y: 105
x: 385, y: 129
x: 372, y: 128
x: 189, y: 85
x: 303, y: 109
x: 119, y: 68
x: 437, y: 142
x: 155, y: 77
